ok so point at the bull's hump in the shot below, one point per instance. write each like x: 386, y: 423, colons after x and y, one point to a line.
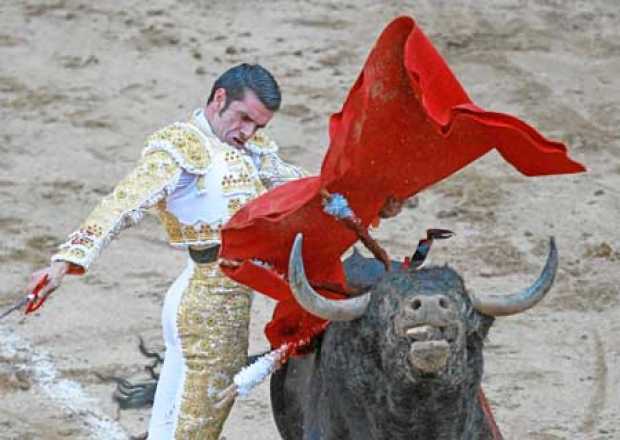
x: 365, y: 272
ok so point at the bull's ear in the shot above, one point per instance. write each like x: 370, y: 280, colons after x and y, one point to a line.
x: 478, y: 325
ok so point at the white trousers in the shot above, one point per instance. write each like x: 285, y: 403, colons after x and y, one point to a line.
x: 170, y: 385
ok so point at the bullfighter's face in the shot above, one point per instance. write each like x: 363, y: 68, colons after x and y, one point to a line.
x: 236, y: 122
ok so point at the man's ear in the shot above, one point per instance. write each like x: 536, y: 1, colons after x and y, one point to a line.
x: 219, y: 98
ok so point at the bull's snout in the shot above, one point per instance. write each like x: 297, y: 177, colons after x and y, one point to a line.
x: 430, y: 308
x: 427, y: 321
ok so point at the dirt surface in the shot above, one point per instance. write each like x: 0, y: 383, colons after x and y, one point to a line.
x: 83, y: 83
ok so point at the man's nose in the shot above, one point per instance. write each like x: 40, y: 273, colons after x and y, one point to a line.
x: 247, y: 130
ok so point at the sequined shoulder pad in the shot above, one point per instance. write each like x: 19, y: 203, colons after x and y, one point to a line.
x: 261, y: 143
x: 190, y: 150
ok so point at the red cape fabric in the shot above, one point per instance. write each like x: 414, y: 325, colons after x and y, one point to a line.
x: 406, y: 124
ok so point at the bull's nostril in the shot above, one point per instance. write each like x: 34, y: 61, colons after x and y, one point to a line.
x: 416, y: 304
x: 443, y: 303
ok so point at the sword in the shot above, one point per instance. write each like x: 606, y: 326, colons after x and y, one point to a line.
x: 31, y: 301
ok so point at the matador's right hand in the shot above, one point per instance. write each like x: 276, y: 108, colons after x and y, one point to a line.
x: 55, y: 273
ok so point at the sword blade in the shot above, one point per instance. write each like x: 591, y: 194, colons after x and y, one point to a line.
x: 21, y: 303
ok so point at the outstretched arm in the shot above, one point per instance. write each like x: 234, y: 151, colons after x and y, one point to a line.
x: 152, y: 180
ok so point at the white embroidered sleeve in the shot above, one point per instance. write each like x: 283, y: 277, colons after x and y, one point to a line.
x: 154, y: 178
x: 273, y: 171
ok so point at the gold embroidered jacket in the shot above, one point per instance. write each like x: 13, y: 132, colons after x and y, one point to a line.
x: 193, y: 180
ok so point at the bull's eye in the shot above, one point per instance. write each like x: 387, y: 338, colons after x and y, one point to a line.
x: 443, y: 303
x: 416, y: 304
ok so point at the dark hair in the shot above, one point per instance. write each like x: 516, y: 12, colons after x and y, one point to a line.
x: 248, y: 76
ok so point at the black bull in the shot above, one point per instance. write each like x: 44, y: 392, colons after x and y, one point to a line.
x: 404, y: 361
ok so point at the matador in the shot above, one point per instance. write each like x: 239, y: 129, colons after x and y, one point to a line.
x: 196, y: 174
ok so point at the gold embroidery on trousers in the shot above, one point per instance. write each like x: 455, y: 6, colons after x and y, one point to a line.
x: 212, y: 322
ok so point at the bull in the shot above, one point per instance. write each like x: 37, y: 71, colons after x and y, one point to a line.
x: 402, y: 361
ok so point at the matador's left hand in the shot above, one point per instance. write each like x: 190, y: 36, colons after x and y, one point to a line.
x: 391, y: 208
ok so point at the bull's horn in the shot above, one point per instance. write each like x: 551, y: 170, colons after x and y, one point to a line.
x: 313, y: 302
x: 503, y: 305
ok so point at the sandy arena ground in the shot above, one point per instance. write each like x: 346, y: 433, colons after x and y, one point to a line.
x: 82, y: 83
